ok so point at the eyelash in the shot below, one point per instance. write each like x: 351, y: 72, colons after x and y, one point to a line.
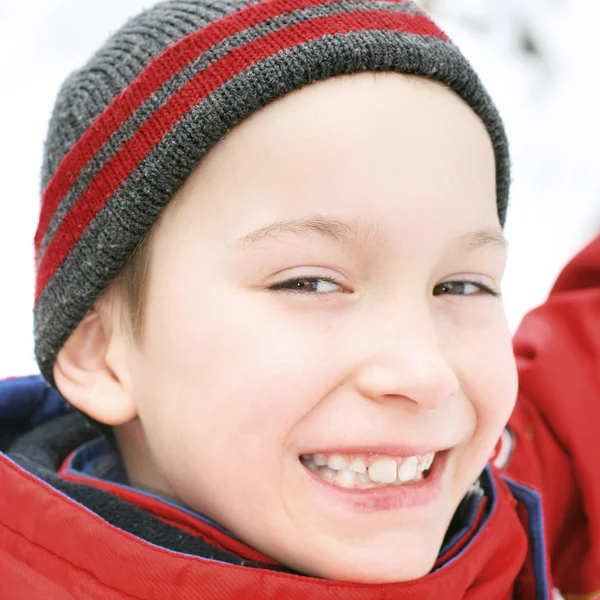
x: 484, y: 289
x: 283, y: 286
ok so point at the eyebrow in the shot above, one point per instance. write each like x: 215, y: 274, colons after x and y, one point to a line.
x: 479, y: 239
x: 350, y: 232
x: 340, y: 232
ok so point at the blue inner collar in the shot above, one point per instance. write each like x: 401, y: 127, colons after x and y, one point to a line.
x: 99, y: 459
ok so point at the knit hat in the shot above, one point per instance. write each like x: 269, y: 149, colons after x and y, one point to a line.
x: 132, y: 124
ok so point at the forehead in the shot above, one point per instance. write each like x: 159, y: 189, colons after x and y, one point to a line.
x: 370, y: 147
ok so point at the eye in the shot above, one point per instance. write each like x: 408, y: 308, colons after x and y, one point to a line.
x: 308, y: 285
x: 463, y: 288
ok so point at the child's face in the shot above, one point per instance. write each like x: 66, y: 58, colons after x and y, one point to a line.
x: 369, y: 192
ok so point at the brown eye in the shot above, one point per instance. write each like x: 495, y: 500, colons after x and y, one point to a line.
x: 308, y: 285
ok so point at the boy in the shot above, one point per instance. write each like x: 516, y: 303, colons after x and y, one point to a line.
x: 269, y: 260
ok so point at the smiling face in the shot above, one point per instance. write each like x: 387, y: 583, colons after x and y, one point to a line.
x: 324, y: 286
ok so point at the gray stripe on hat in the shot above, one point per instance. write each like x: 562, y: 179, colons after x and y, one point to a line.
x: 109, y: 240
x: 157, y: 99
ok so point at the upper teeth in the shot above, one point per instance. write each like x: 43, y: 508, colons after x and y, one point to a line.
x: 364, y: 471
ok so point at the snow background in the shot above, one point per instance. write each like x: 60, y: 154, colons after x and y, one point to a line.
x: 539, y: 59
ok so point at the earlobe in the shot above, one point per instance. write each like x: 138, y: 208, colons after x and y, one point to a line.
x: 91, y: 372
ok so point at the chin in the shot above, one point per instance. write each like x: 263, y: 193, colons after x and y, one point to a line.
x: 379, y: 569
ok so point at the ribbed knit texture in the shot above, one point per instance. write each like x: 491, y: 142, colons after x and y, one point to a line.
x: 132, y: 124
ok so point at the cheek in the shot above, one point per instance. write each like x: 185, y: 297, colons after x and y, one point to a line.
x: 488, y: 374
x: 222, y: 376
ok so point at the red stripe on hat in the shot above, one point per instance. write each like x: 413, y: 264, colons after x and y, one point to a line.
x: 159, y: 71
x: 120, y: 166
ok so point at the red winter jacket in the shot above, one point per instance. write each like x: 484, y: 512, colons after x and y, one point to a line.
x: 66, y: 534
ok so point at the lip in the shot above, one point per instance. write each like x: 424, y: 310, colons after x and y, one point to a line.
x: 414, y: 495
x: 385, y: 450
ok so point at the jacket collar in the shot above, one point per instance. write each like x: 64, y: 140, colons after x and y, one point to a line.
x: 491, y: 560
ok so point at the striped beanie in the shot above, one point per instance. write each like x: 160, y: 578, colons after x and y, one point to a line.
x: 132, y: 124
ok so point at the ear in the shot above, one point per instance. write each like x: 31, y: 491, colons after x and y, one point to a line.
x: 91, y: 370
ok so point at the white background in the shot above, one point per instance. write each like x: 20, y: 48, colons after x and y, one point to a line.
x: 549, y: 100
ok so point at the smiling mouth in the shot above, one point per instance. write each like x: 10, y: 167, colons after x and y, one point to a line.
x: 369, y: 471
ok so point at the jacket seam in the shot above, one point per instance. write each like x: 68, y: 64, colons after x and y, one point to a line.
x: 64, y: 560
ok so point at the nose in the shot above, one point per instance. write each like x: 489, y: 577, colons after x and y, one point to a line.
x: 402, y: 359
